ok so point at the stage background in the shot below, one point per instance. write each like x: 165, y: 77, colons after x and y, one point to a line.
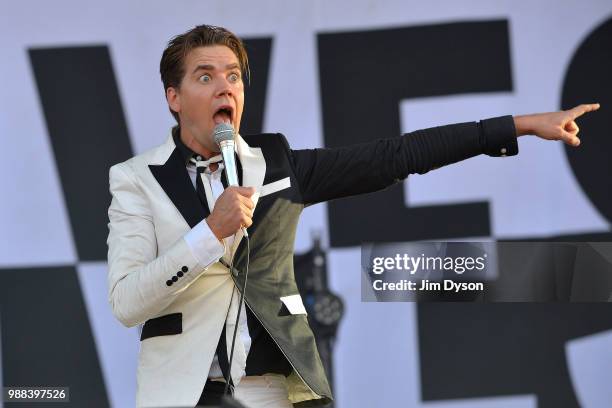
x: 81, y: 91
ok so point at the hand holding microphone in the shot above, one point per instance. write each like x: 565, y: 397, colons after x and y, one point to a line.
x: 234, y: 208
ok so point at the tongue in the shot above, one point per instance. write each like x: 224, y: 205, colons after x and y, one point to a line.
x: 222, y: 117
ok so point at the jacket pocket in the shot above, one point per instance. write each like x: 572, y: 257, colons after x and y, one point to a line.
x: 162, y: 326
x: 294, y: 304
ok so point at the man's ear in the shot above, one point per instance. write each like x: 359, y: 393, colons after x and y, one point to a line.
x: 174, y: 99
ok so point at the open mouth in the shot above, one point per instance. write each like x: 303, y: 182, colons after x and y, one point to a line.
x: 223, y: 115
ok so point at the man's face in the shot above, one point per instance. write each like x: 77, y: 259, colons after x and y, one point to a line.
x: 210, y: 93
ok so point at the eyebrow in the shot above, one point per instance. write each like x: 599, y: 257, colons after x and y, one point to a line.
x: 208, y: 67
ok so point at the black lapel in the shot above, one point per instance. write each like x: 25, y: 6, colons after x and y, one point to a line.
x: 174, y: 179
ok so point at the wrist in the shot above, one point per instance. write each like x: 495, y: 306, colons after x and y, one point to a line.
x: 523, y: 125
x: 213, y: 229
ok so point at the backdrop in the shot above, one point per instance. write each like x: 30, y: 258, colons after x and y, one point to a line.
x: 81, y: 91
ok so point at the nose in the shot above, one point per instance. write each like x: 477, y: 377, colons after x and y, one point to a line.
x: 224, y: 88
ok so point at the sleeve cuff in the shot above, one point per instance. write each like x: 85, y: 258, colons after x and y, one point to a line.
x: 203, y: 244
x: 498, y: 136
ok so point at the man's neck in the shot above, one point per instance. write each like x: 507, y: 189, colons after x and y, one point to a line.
x: 192, y: 143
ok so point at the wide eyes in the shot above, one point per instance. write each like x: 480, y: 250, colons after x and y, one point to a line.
x: 233, y: 77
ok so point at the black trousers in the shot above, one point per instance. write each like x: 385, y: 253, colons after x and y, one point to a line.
x: 212, y: 394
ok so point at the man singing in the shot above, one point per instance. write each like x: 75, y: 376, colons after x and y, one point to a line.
x: 176, y: 230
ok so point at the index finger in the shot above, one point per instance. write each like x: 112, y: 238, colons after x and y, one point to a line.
x: 582, y: 109
x: 246, y: 191
x: 246, y: 201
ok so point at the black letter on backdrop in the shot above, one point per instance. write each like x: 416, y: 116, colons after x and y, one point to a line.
x: 364, y: 75
x: 88, y: 133
x: 588, y: 80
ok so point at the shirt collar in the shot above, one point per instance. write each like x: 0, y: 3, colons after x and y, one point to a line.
x: 186, y: 153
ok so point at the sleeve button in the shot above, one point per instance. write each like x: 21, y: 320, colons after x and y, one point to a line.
x: 503, y: 150
x: 169, y: 282
x: 174, y: 279
x: 184, y: 269
x: 179, y: 274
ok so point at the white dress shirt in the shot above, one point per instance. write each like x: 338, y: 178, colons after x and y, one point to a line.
x: 207, y: 248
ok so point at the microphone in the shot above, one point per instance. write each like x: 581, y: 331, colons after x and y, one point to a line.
x: 224, y: 138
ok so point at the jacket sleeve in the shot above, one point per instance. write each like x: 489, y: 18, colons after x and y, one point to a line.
x: 142, y: 282
x: 330, y: 173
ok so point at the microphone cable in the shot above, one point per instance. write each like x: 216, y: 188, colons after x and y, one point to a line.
x: 240, y: 303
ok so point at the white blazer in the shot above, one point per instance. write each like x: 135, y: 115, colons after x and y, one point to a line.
x: 143, y: 255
